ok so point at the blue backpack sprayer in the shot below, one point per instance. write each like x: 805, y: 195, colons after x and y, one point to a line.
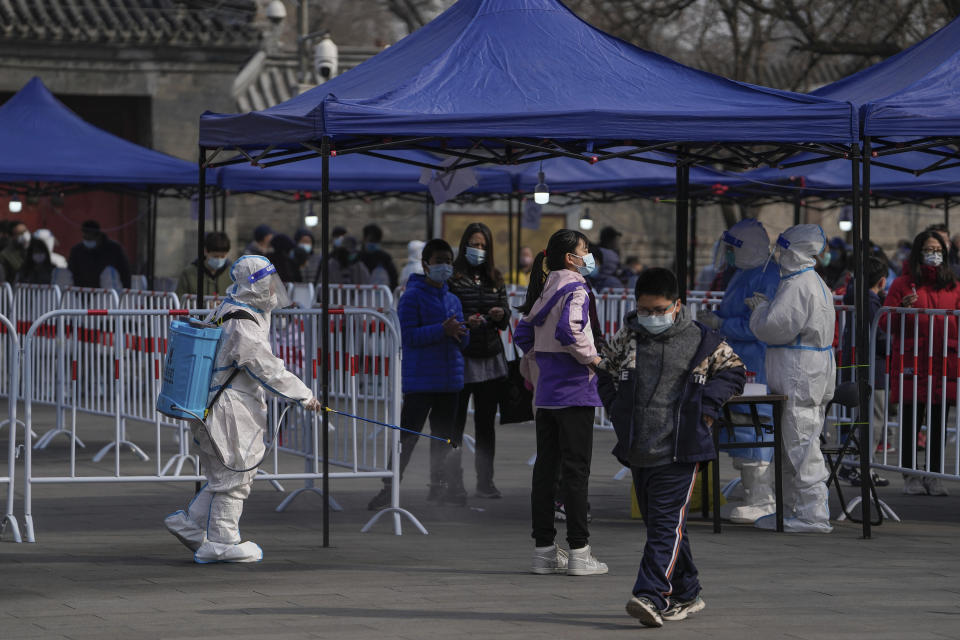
x: 188, y: 373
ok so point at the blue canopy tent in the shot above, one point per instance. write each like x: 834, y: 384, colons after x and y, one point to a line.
x: 50, y: 148
x: 516, y: 81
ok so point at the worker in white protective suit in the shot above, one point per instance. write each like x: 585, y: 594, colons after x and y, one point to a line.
x: 231, y: 442
x: 798, y: 327
x: 746, y: 246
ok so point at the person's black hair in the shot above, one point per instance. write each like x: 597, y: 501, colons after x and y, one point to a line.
x: 876, y: 270
x: 303, y: 233
x: 945, y: 279
x: 657, y: 281
x: 608, y: 235
x: 436, y: 245
x: 560, y: 244
x: 488, y: 269
x: 631, y: 260
x: 338, y: 231
x: 216, y: 241
x: 939, y: 227
x: 372, y: 233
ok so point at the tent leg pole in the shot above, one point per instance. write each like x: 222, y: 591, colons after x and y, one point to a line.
x: 510, y: 249
x: 519, y: 226
x: 946, y: 211
x: 692, y: 268
x: 861, y: 252
x: 797, y: 210
x: 152, y: 255
x: 682, y: 213
x: 325, y: 323
x: 201, y: 223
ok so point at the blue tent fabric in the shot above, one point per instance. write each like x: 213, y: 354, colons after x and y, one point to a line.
x: 351, y: 172
x: 832, y: 179
x: 44, y: 141
x: 531, y: 68
x: 914, y: 93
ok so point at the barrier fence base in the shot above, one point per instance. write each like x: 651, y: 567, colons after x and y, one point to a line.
x: 397, y: 512
x: 28, y: 528
x: 179, y: 460
x: 19, y: 424
x: 309, y: 488
x: 276, y: 483
x: 137, y: 451
x: 855, y: 502
x: 48, y: 437
x: 12, y: 521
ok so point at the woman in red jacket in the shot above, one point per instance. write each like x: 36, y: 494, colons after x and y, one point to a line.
x: 927, y: 283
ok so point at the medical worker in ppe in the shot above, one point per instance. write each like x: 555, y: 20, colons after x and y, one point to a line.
x: 798, y: 325
x: 231, y: 443
x: 746, y: 246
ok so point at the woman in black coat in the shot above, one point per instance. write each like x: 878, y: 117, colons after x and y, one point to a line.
x: 483, y: 294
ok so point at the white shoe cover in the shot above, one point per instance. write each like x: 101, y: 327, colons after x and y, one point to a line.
x: 210, y: 552
x: 748, y: 514
x: 793, y: 525
x: 186, y: 531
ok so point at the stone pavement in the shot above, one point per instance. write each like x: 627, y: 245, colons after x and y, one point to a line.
x: 104, y: 567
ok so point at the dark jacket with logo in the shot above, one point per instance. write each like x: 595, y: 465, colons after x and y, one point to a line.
x: 478, y: 295
x: 714, y: 375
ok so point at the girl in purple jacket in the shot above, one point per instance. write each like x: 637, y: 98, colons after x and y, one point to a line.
x: 559, y: 360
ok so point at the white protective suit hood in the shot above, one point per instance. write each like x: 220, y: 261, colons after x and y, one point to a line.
x: 256, y: 284
x: 799, y: 246
x: 750, y: 242
x: 415, y: 250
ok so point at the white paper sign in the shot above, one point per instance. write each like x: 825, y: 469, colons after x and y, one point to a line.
x: 444, y: 185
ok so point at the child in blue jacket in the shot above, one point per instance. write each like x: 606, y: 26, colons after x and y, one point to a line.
x: 663, y: 381
x: 433, y: 337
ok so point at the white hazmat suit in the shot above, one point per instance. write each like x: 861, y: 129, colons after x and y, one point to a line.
x: 233, y: 438
x: 798, y: 327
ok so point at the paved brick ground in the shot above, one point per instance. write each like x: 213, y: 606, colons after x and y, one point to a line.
x: 104, y: 567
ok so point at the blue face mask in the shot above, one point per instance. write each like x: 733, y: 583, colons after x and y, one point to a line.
x: 589, y: 265
x: 439, y: 272
x: 372, y: 246
x: 216, y: 263
x: 475, y: 256
x: 824, y: 259
x: 656, y: 324
x: 90, y: 244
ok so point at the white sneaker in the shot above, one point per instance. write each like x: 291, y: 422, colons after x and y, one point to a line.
x: 210, y: 552
x: 793, y: 525
x: 548, y: 560
x: 645, y: 611
x: 913, y: 486
x: 584, y: 563
x: 186, y: 531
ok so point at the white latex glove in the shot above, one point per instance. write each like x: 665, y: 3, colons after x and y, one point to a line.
x: 709, y: 318
x: 312, y: 405
x: 755, y: 300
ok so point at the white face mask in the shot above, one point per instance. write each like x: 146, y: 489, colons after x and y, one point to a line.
x: 933, y: 259
x: 306, y: 247
x: 656, y: 324
x: 24, y: 239
x: 476, y: 256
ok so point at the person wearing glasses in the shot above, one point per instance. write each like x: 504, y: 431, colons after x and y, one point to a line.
x: 663, y: 381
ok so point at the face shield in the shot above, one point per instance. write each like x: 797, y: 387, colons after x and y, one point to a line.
x: 726, y: 254
x: 267, y: 281
x: 257, y: 284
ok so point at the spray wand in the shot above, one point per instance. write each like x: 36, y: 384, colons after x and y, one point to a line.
x: 391, y: 426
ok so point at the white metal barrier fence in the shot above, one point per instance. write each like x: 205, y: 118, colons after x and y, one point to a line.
x: 916, y: 356
x: 364, y: 349
x: 10, y: 354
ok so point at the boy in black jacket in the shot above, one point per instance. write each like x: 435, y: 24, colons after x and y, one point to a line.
x: 663, y: 381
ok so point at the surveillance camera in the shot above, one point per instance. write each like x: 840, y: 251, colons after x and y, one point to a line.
x: 325, y: 58
x: 276, y: 11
